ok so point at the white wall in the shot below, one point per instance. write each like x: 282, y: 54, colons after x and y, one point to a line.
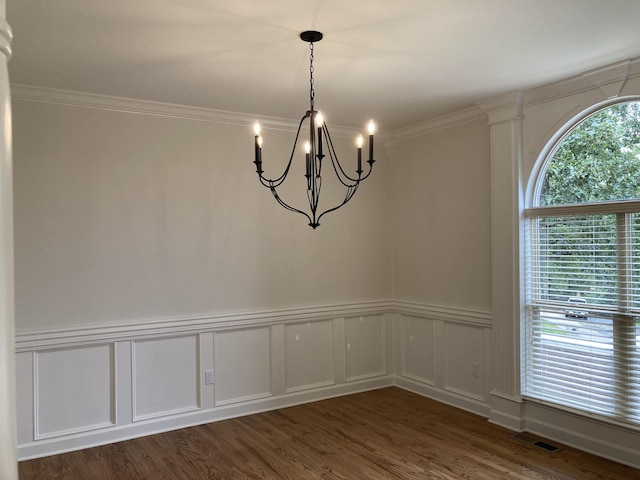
x: 440, y: 219
x: 123, y: 217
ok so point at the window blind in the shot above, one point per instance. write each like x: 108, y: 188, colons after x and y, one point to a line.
x: 582, y: 326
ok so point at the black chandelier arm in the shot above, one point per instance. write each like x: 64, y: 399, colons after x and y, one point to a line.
x: 286, y: 205
x: 267, y: 182
x: 341, y: 173
x: 313, y: 195
x: 351, y: 190
x: 337, y: 166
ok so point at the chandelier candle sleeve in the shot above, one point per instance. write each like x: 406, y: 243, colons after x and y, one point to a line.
x: 359, y: 143
x: 319, y: 121
x: 372, y: 129
x: 307, y: 149
x: 258, y: 148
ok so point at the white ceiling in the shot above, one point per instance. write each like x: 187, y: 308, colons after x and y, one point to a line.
x: 399, y: 61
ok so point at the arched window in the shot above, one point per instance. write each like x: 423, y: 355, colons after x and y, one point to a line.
x: 582, y: 326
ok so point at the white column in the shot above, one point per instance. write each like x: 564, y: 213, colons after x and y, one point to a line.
x: 506, y: 120
x: 8, y: 463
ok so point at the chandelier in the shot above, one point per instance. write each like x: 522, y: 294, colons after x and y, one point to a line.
x: 316, y: 148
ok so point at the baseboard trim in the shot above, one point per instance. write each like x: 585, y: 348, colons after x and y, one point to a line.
x: 120, y: 433
x: 592, y: 436
x: 507, y: 412
x: 444, y: 396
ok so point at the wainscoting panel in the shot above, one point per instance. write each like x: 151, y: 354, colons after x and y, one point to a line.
x: 418, y: 349
x: 242, y: 360
x: 165, y: 376
x: 309, y: 356
x: 91, y: 385
x: 465, y: 361
x: 365, y: 355
x: 442, y: 353
x: 74, y: 390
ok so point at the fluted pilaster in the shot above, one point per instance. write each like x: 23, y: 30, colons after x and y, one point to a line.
x: 505, y: 119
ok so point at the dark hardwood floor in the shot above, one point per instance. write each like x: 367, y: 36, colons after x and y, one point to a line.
x: 383, y: 434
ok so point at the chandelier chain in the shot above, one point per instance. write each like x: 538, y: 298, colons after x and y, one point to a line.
x: 312, y: 92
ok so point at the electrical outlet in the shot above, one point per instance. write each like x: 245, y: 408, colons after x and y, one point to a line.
x: 209, y: 377
x: 475, y: 369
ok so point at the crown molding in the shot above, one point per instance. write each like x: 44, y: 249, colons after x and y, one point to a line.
x: 29, y: 93
x: 610, y: 80
x: 460, y: 117
x: 503, y: 107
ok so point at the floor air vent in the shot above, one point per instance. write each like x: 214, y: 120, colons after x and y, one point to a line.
x: 525, y: 437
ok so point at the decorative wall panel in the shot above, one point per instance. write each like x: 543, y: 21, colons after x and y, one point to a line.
x: 465, y: 363
x: 242, y: 365
x: 365, y: 347
x: 418, y: 354
x: 309, y: 355
x: 165, y: 376
x: 74, y: 390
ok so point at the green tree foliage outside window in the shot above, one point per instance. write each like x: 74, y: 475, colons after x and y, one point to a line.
x: 599, y: 160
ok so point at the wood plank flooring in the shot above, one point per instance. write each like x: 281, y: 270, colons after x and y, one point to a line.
x: 383, y: 434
